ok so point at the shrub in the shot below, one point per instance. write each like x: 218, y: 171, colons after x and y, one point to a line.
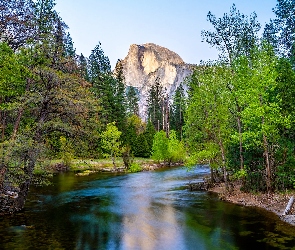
x: 134, y: 167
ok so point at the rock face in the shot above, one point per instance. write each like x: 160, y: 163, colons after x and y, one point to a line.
x: 147, y: 62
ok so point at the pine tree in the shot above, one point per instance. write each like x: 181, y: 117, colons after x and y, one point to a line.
x: 177, y: 111
x: 155, y: 105
x: 132, y: 101
x: 119, y: 97
x: 99, y: 72
x: 83, y: 67
x: 149, y: 134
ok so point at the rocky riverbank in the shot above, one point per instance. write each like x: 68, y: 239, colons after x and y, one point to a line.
x: 274, y: 202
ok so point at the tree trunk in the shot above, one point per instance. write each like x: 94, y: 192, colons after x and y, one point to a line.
x: 223, y: 164
x: 20, y: 113
x: 2, y: 177
x: 3, y: 125
x: 212, y: 174
x: 239, y: 122
x: 17, y: 122
x: 163, y: 116
x: 114, y: 161
x: 266, y: 154
x: 241, y: 142
x: 289, y: 205
x: 267, y: 164
x: 14, y: 200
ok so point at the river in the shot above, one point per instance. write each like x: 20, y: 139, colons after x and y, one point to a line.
x: 146, y: 210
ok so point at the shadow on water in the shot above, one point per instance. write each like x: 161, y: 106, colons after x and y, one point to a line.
x: 147, y: 210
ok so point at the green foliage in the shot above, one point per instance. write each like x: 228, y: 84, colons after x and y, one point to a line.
x: 176, y: 150
x: 127, y: 156
x: 155, y: 105
x: 240, y: 174
x: 149, y: 134
x: 207, y: 154
x: 132, y: 100
x: 12, y: 76
x: 234, y: 34
x: 141, y: 146
x: 138, y: 136
x: 110, y: 141
x: 66, y: 151
x: 134, y: 167
x: 177, y: 111
x: 107, y: 87
x: 164, y: 149
x: 160, y: 146
x: 280, y: 32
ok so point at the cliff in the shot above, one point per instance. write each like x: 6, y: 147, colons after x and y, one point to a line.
x: 148, y: 62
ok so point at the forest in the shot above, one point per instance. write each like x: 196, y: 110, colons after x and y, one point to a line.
x: 236, y: 117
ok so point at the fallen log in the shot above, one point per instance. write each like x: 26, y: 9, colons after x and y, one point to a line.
x: 289, y: 205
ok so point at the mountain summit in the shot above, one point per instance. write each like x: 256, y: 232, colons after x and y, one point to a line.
x: 147, y: 62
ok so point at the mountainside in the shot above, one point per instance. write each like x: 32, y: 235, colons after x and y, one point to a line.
x: 147, y: 62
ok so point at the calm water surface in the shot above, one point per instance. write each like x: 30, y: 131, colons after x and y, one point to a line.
x: 148, y: 210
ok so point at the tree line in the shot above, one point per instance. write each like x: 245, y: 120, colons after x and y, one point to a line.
x: 237, y: 115
x: 57, y: 104
x: 240, y: 115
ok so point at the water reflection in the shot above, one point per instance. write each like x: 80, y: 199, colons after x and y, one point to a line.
x: 150, y: 210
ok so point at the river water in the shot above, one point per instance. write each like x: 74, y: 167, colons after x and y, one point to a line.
x: 147, y: 210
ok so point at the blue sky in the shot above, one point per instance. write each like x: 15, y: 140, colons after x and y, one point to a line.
x: 173, y: 24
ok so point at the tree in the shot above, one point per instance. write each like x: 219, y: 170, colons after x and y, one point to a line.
x: 207, y: 127
x: 119, y: 102
x: 132, y: 101
x: 109, y: 88
x: 280, y: 32
x: 176, y: 150
x: 83, y: 67
x: 160, y: 146
x: 47, y: 99
x: 262, y: 116
x: 17, y: 22
x: 12, y: 82
x: 167, y: 149
x: 177, y: 111
x: 99, y: 64
x: 156, y: 107
x: 149, y: 134
x: 234, y: 34
x: 110, y: 140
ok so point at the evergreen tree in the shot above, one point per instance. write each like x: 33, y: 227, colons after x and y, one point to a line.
x: 99, y: 64
x: 119, y: 97
x: 103, y: 83
x: 132, y: 101
x: 149, y: 134
x: 177, y: 111
x: 83, y: 67
x: 156, y: 105
x: 70, y: 51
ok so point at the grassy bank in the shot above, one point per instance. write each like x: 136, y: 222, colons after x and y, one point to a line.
x: 96, y: 165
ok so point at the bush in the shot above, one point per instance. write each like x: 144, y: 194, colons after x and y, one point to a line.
x: 66, y: 152
x: 135, y: 167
